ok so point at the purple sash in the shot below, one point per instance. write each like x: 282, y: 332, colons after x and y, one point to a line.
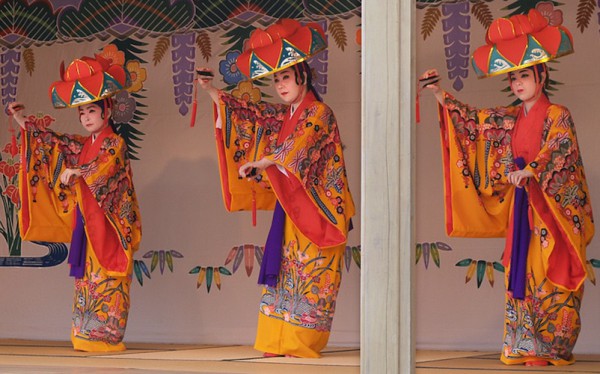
x: 78, y: 247
x: 517, y: 279
x: 271, y: 262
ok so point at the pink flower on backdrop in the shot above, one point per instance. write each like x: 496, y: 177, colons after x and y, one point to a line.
x: 554, y: 16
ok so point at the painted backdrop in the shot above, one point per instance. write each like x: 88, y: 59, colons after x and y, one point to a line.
x: 195, y: 273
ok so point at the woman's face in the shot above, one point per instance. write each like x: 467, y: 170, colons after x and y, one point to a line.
x: 90, y: 116
x: 524, y: 85
x: 287, y: 88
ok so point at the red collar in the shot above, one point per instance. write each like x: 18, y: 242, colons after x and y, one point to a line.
x: 289, y: 123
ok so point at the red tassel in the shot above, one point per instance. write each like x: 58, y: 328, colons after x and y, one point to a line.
x: 194, y: 105
x: 253, y: 207
x: 417, y: 110
x: 14, y: 149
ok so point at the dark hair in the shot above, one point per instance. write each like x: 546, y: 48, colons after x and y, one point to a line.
x: 303, y: 74
x: 538, y: 69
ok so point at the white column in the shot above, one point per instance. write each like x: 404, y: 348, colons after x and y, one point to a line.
x: 387, y: 238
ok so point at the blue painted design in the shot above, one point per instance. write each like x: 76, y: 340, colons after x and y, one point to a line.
x: 259, y: 135
x: 124, y: 243
x: 321, y: 205
x: 57, y: 254
x: 227, y: 127
x: 57, y: 170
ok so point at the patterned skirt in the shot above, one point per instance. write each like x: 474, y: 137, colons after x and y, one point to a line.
x: 295, y: 317
x: 100, y: 308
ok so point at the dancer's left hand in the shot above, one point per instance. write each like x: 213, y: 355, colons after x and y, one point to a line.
x: 519, y: 177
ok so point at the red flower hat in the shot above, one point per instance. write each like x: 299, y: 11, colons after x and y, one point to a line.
x: 518, y: 42
x: 87, y: 80
x: 279, y: 46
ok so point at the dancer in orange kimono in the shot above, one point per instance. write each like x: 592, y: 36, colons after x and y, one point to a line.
x: 288, y: 157
x: 79, y: 189
x: 517, y: 172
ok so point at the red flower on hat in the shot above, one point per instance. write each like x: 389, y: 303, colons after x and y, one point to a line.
x: 554, y: 16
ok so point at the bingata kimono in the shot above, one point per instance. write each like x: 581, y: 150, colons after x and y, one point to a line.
x: 98, y: 214
x: 308, y: 190
x: 547, y: 224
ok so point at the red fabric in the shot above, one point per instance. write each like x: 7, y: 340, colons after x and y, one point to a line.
x: 294, y: 198
x: 289, y: 124
x: 513, y: 49
x: 24, y: 186
x: 564, y: 253
x: 446, y: 165
x: 102, y: 235
x: 222, y: 156
x: 526, y: 141
x: 302, y: 210
x: 550, y: 39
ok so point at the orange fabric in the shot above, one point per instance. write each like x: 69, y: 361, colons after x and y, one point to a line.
x: 252, y: 131
x: 103, y: 237
x: 104, y: 193
x: 471, y: 210
x: 476, y: 146
x: 223, y: 166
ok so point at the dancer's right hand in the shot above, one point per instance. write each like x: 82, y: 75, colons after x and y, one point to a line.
x: 16, y: 109
x: 431, y: 80
x: 205, y: 81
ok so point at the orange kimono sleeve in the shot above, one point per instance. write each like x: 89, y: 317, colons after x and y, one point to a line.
x: 310, y: 180
x: 46, y: 212
x: 246, y: 133
x: 476, y: 157
x: 561, y: 199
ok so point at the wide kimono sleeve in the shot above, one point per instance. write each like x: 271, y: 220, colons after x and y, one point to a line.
x: 476, y: 157
x: 47, y: 205
x: 107, y: 199
x: 246, y: 132
x: 309, y: 178
x: 561, y: 199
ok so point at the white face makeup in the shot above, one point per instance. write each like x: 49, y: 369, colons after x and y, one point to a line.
x: 524, y: 86
x: 90, y: 116
x: 287, y: 88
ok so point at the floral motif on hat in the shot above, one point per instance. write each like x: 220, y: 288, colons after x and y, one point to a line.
x: 279, y: 46
x: 518, y: 42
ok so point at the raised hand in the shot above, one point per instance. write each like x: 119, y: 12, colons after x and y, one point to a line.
x: 16, y: 109
x: 205, y: 80
x: 430, y: 79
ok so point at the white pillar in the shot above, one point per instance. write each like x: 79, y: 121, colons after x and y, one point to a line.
x: 387, y: 238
